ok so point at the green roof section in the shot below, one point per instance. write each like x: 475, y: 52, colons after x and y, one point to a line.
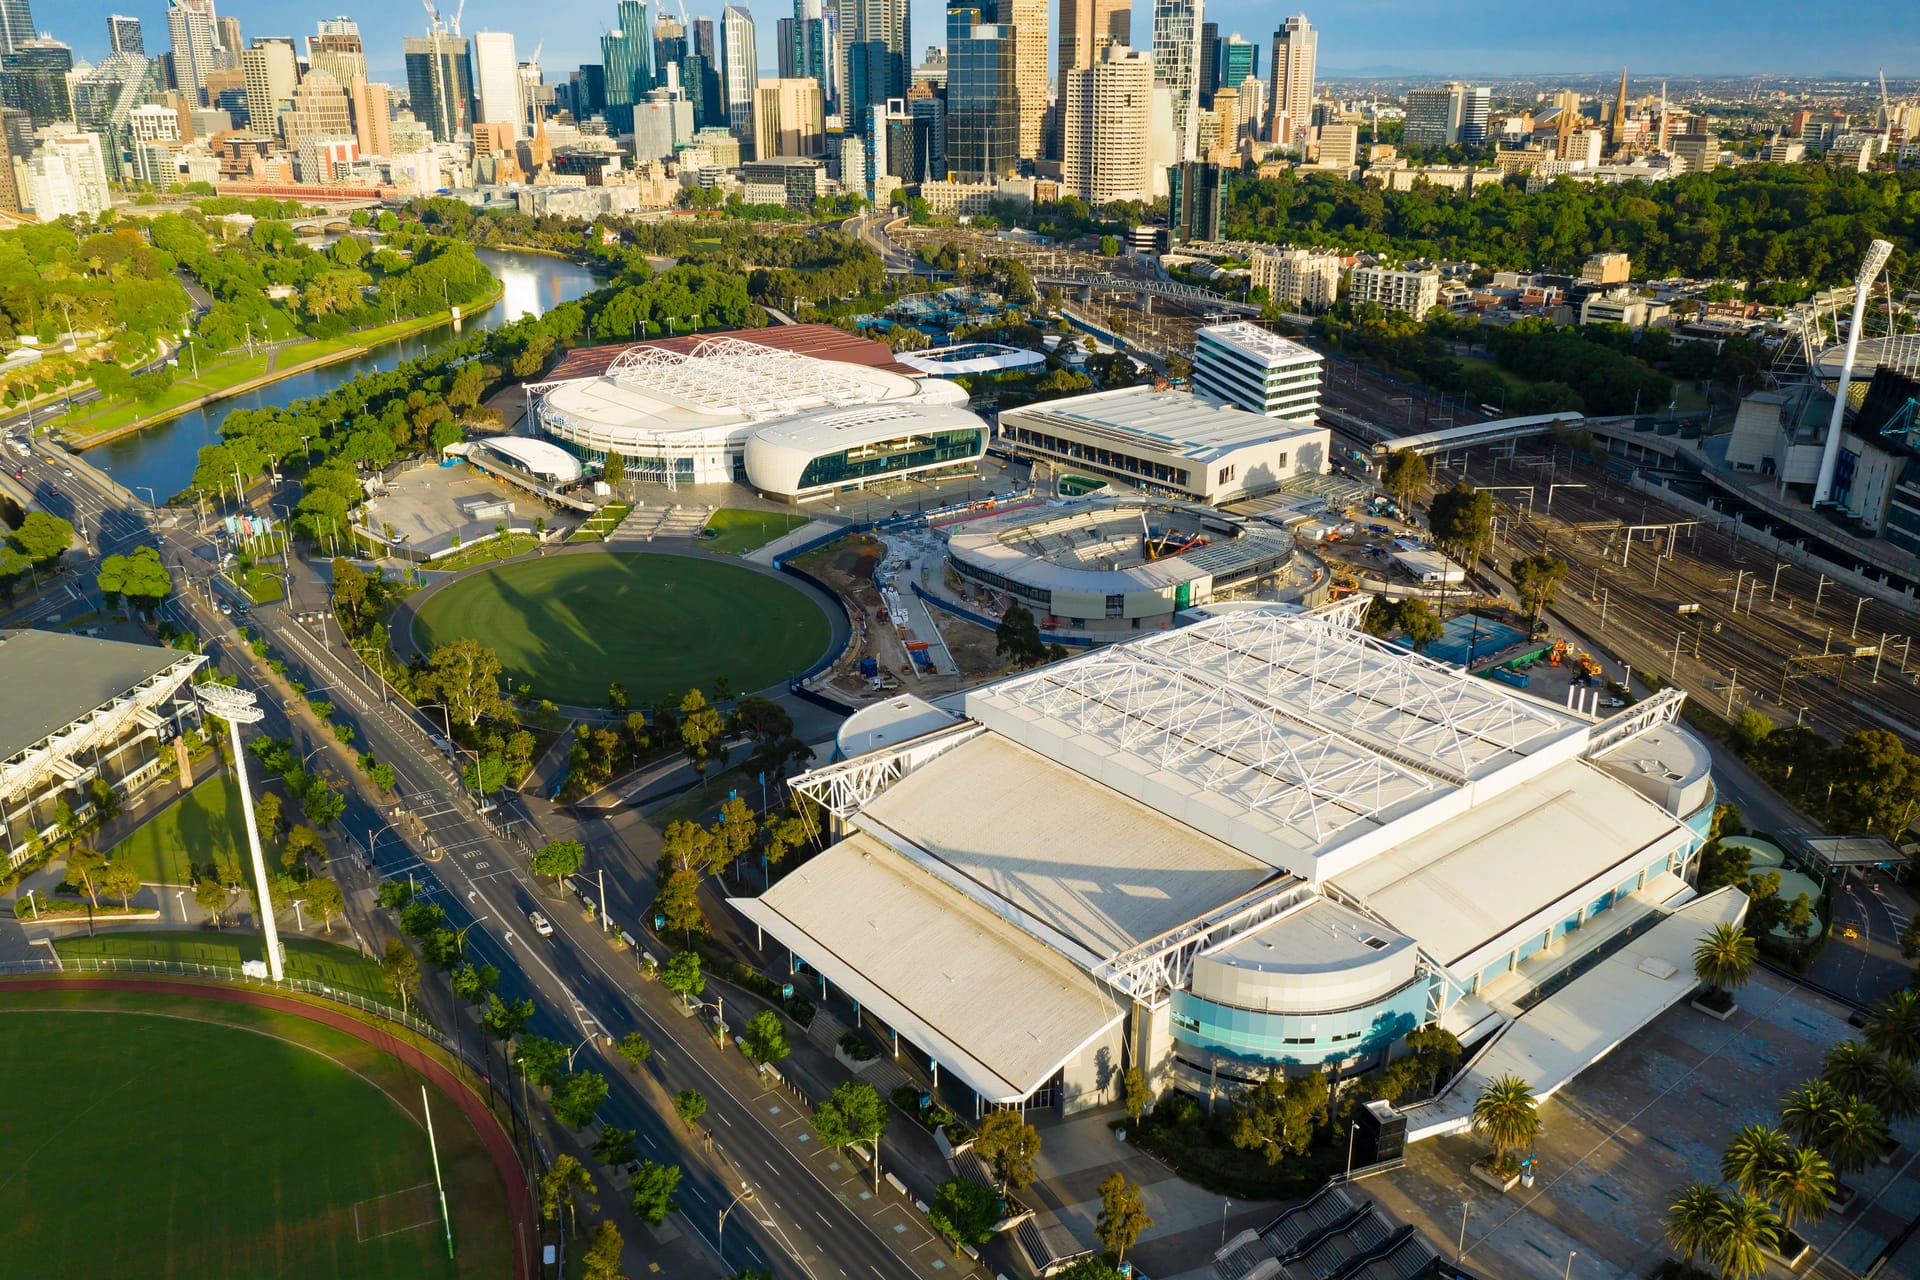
x: 49, y: 679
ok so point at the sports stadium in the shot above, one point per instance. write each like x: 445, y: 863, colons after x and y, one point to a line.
x: 1104, y: 568
x: 798, y: 412
x: 1264, y: 842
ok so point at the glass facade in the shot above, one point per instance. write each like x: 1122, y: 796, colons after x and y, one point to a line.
x: 906, y: 453
x: 1303, y: 1039
x: 983, y: 112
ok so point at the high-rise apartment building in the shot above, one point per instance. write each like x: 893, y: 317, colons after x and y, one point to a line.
x: 785, y: 48
x: 983, y: 111
x: 627, y: 53
x: 874, y: 36
x: 788, y: 118
x: 226, y: 37
x: 1176, y: 64
x: 1257, y: 371
x: 67, y: 174
x: 123, y: 34
x: 337, y: 50
x: 372, y: 117
x: 1209, y: 71
x: 1698, y: 152
x: 16, y: 144
x: 190, y: 27
x: 496, y: 82
x: 321, y: 112
x: 16, y: 24
x: 1476, y: 108
x: 1340, y: 145
x: 1028, y: 18
x: 1411, y: 293
x: 739, y: 68
x: 810, y: 46
x: 33, y: 79
x: 1432, y: 118
x: 701, y: 81
x: 1103, y: 127
x: 272, y: 71
x: 702, y: 37
x: 1087, y: 26
x: 1296, y: 48
x: 1193, y: 201
x: 1297, y: 279
x: 440, y: 83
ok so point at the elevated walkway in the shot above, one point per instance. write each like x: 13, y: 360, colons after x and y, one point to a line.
x: 1575, y: 1027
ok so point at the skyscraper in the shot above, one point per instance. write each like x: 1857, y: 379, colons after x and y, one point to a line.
x: 701, y: 80
x: 983, y: 109
x: 702, y: 35
x: 1176, y: 64
x: 1087, y: 25
x: 272, y: 71
x: 787, y: 118
x: 1290, y: 101
x: 336, y: 49
x: 1028, y: 18
x: 440, y: 83
x: 33, y: 79
x: 372, y: 117
x: 739, y: 69
x: 808, y: 47
x: 1103, y: 127
x: 627, y: 53
x: 1235, y: 59
x: 496, y: 82
x: 669, y: 45
x: 190, y: 28
x: 1476, y: 106
x: 226, y: 38
x: 874, y: 36
x: 16, y: 24
x: 123, y: 34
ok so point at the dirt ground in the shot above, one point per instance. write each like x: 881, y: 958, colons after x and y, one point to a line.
x: 847, y: 566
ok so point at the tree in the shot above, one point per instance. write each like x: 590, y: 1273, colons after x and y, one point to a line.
x: 1851, y: 1067
x: 211, y: 897
x: 653, y: 1189
x: 41, y: 537
x: 1462, y: 520
x: 678, y: 905
x: 614, y: 1146
x: 565, y: 1184
x: 1852, y: 1136
x: 1537, y: 579
x: 139, y: 576
x: 486, y: 773
x: 559, y: 859
x: 1506, y: 1115
x: 1876, y: 781
x: 689, y: 1105
x: 1724, y: 958
x: 614, y: 470
x: 700, y: 730
x: 1406, y: 476
x: 1910, y: 939
x: 1276, y: 1116
x: 84, y: 867
x: 1893, y: 1026
x: 401, y: 971
x: 765, y: 1037
x: 1133, y: 1088
x: 635, y: 1048
x: 539, y: 1059
x: 474, y: 982
x: 1743, y: 1230
x: 852, y: 1113
x: 505, y: 1019
x: 1017, y: 639
x: 1122, y: 1215
x: 1803, y: 1111
x: 303, y: 842
x: 681, y: 975
x: 1088, y: 1268
x: 1896, y: 1090
x: 325, y: 900
x: 687, y: 846
x: 1750, y: 1159
x: 602, y: 1258
x: 465, y: 676
x: 1691, y: 1220
x: 266, y: 815
x: 1801, y: 1185
x: 964, y: 1212
x: 1418, y: 622
x: 576, y: 1096
x: 118, y: 879
x: 1012, y: 1146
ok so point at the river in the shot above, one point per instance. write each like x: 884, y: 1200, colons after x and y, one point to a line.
x: 163, y: 457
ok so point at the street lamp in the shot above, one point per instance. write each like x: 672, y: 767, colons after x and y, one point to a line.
x: 577, y: 1048
x: 720, y: 1232
x: 1571, y: 1255
x: 237, y: 707
x: 299, y: 925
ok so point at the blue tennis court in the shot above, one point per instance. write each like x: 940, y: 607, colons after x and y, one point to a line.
x: 1471, y: 638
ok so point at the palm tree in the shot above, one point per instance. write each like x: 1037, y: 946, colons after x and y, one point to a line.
x: 1749, y: 1162
x: 1691, y: 1219
x: 1896, y: 1090
x: 1803, y: 1112
x: 1893, y: 1026
x: 1853, y: 1135
x: 1801, y: 1186
x: 1724, y: 958
x: 1507, y: 1115
x: 1851, y: 1068
x: 1743, y: 1230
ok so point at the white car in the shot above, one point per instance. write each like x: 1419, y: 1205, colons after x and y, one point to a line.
x: 541, y: 925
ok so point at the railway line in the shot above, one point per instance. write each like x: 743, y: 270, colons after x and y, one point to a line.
x: 1763, y: 632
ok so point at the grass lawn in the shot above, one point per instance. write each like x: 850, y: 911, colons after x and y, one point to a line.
x: 300, y: 353
x: 487, y: 552
x: 91, y: 419
x: 191, y: 830
x: 332, y: 962
x: 261, y: 586
x: 597, y: 526
x: 735, y: 531
x: 659, y: 624
x: 215, y: 1139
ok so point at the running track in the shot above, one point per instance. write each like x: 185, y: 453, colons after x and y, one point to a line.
x: 499, y: 1146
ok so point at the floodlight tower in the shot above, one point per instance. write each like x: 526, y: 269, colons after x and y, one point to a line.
x: 238, y: 707
x: 1877, y: 254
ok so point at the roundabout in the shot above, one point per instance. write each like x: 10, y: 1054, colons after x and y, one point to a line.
x: 571, y: 624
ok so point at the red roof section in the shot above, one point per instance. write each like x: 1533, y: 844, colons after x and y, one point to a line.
x: 821, y: 341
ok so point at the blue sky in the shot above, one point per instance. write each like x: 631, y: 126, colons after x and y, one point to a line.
x: 1464, y: 37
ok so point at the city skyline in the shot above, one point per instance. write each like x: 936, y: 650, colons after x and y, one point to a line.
x: 1382, y: 38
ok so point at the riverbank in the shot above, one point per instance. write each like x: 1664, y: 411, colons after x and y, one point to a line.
x: 325, y: 352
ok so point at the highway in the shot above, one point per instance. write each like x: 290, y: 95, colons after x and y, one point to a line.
x: 807, y: 1216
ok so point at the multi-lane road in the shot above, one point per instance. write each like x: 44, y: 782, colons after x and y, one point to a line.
x: 810, y: 1213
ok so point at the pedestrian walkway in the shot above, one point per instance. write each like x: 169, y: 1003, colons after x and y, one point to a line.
x: 665, y: 520
x: 799, y: 537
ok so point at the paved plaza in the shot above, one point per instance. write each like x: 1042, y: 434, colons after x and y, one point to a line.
x: 1624, y: 1137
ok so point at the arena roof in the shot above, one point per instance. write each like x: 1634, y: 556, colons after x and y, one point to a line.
x: 1187, y: 425
x: 1028, y: 547
x: 52, y: 680
x: 538, y: 457
x: 1096, y: 867
x: 822, y: 341
x: 939, y: 967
